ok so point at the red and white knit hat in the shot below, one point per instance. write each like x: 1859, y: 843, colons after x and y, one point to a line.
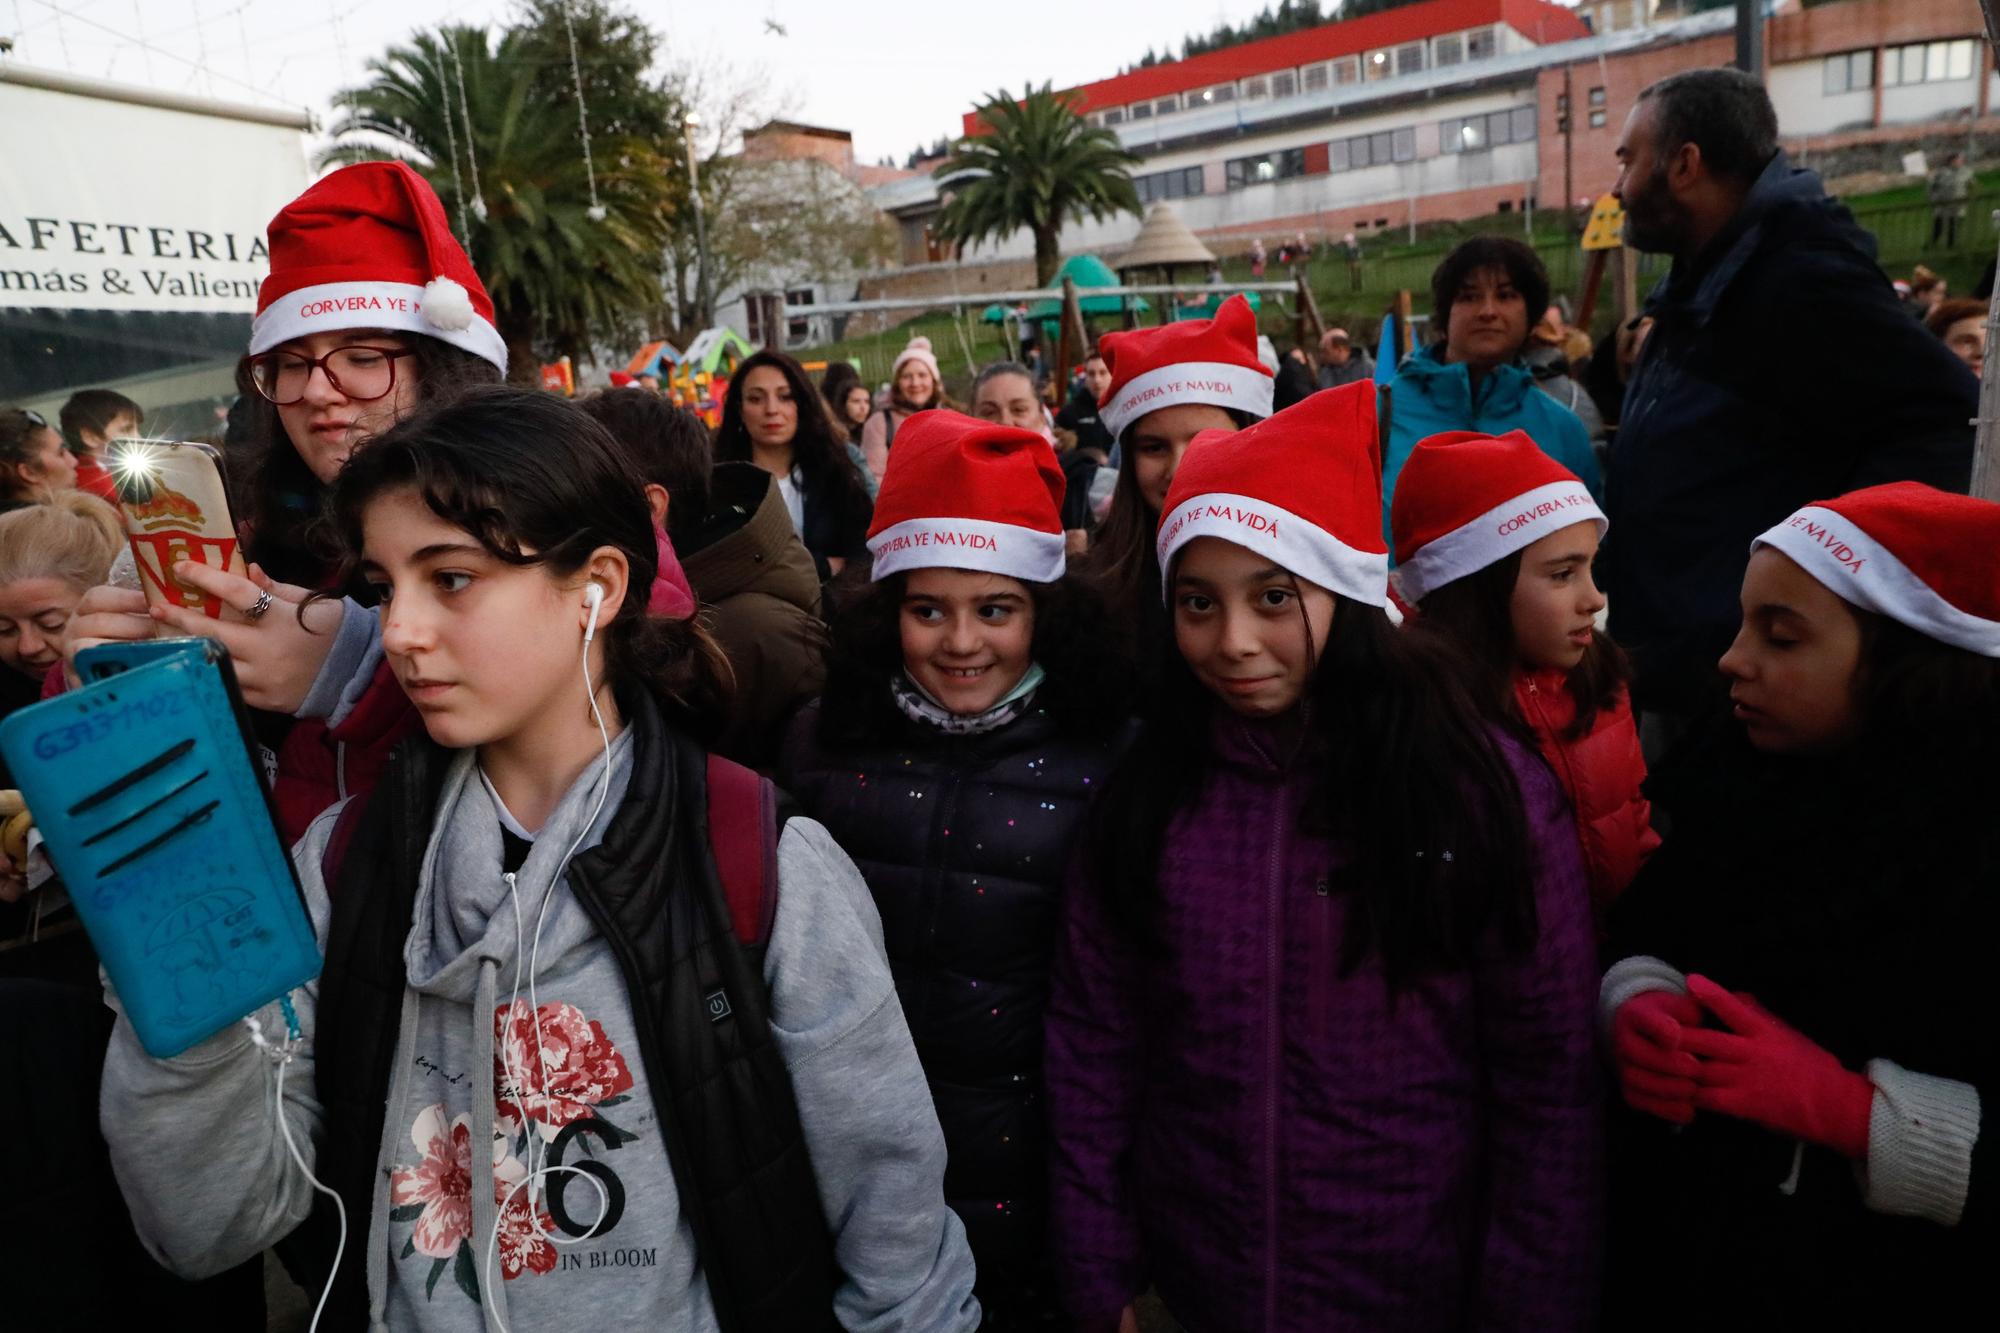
x: 1465, y: 500
x: 1211, y: 361
x: 1303, y: 488
x: 1915, y: 554
x: 966, y: 494
x: 368, y: 247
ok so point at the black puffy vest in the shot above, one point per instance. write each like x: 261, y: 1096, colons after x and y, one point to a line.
x: 725, y: 1102
x: 964, y: 841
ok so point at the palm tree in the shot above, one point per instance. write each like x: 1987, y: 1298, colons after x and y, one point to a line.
x: 1038, y: 164
x: 494, y: 130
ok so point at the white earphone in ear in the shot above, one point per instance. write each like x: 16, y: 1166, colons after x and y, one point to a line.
x: 593, y: 597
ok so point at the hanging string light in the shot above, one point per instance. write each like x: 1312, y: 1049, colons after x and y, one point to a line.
x: 451, y: 142
x: 471, y: 156
x: 596, y: 210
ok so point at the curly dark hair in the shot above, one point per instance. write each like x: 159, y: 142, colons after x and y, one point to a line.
x: 1475, y: 613
x: 1408, y: 768
x: 277, y: 501
x: 1083, y: 671
x: 1516, y: 259
x: 536, y: 481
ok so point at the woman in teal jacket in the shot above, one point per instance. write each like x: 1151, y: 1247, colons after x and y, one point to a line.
x: 1484, y: 296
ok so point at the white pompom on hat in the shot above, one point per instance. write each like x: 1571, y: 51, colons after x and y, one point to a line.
x: 369, y: 247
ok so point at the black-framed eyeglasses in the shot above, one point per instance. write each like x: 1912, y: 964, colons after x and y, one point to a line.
x: 360, y: 372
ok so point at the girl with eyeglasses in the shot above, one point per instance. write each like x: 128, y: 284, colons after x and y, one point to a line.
x: 371, y: 310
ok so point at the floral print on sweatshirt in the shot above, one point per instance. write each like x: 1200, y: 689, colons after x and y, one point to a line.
x: 548, y: 1073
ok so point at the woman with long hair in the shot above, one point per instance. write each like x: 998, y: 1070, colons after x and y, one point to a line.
x: 371, y: 309
x: 774, y: 418
x: 1320, y: 1051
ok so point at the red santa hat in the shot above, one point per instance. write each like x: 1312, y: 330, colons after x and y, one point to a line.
x: 966, y: 494
x: 1915, y: 554
x: 1211, y: 361
x: 368, y: 247
x: 1303, y: 488
x: 1465, y: 500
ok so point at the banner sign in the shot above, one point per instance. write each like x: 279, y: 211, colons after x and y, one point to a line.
x: 108, y: 204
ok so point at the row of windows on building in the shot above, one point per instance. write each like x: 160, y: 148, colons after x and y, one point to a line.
x: 1452, y: 48
x: 1456, y: 134
x: 1918, y: 62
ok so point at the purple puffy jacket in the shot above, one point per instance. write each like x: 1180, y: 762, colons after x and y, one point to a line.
x: 1278, y: 1147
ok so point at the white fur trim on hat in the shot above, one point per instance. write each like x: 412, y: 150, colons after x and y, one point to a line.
x: 1291, y: 542
x: 968, y: 543
x: 1858, y: 569
x: 1495, y: 535
x: 1217, y: 383
x: 397, y: 306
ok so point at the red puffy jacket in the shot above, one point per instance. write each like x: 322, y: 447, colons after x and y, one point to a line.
x: 1602, y: 773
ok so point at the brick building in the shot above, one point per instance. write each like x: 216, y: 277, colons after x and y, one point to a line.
x: 1455, y: 108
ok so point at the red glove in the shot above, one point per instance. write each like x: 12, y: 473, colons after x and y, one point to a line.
x: 1655, y: 1074
x: 1766, y: 1072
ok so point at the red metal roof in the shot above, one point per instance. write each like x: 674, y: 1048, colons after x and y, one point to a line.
x: 1538, y: 20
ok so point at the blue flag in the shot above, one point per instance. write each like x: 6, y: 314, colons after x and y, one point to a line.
x: 1385, y: 354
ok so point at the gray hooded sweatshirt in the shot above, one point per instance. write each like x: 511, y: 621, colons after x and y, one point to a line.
x: 501, y: 1073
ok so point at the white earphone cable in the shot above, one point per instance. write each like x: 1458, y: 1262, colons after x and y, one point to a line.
x: 535, y: 1173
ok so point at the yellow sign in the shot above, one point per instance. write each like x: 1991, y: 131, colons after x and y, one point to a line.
x: 1606, y: 229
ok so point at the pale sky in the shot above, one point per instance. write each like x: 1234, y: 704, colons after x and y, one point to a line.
x: 895, y: 74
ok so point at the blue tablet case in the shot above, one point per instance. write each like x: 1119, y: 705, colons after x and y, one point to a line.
x: 145, y: 785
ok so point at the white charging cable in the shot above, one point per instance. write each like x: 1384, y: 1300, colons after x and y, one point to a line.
x: 282, y: 1053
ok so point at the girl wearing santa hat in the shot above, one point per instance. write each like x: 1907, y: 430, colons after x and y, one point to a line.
x: 961, y: 735
x: 1803, y: 989
x: 1494, y: 545
x: 1168, y: 384
x: 371, y: 309
x: 559, y: 1059
x: 1319, y: 1038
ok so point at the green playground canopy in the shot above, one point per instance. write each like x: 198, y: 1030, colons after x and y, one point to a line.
x: 1086, y: 271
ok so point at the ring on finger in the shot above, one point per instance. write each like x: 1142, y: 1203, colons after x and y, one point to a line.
x: 259, y: 607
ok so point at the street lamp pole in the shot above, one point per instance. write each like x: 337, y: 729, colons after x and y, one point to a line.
x: 689, y: 125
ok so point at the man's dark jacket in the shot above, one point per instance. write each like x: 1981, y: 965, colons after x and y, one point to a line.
x: 1780, y: 370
